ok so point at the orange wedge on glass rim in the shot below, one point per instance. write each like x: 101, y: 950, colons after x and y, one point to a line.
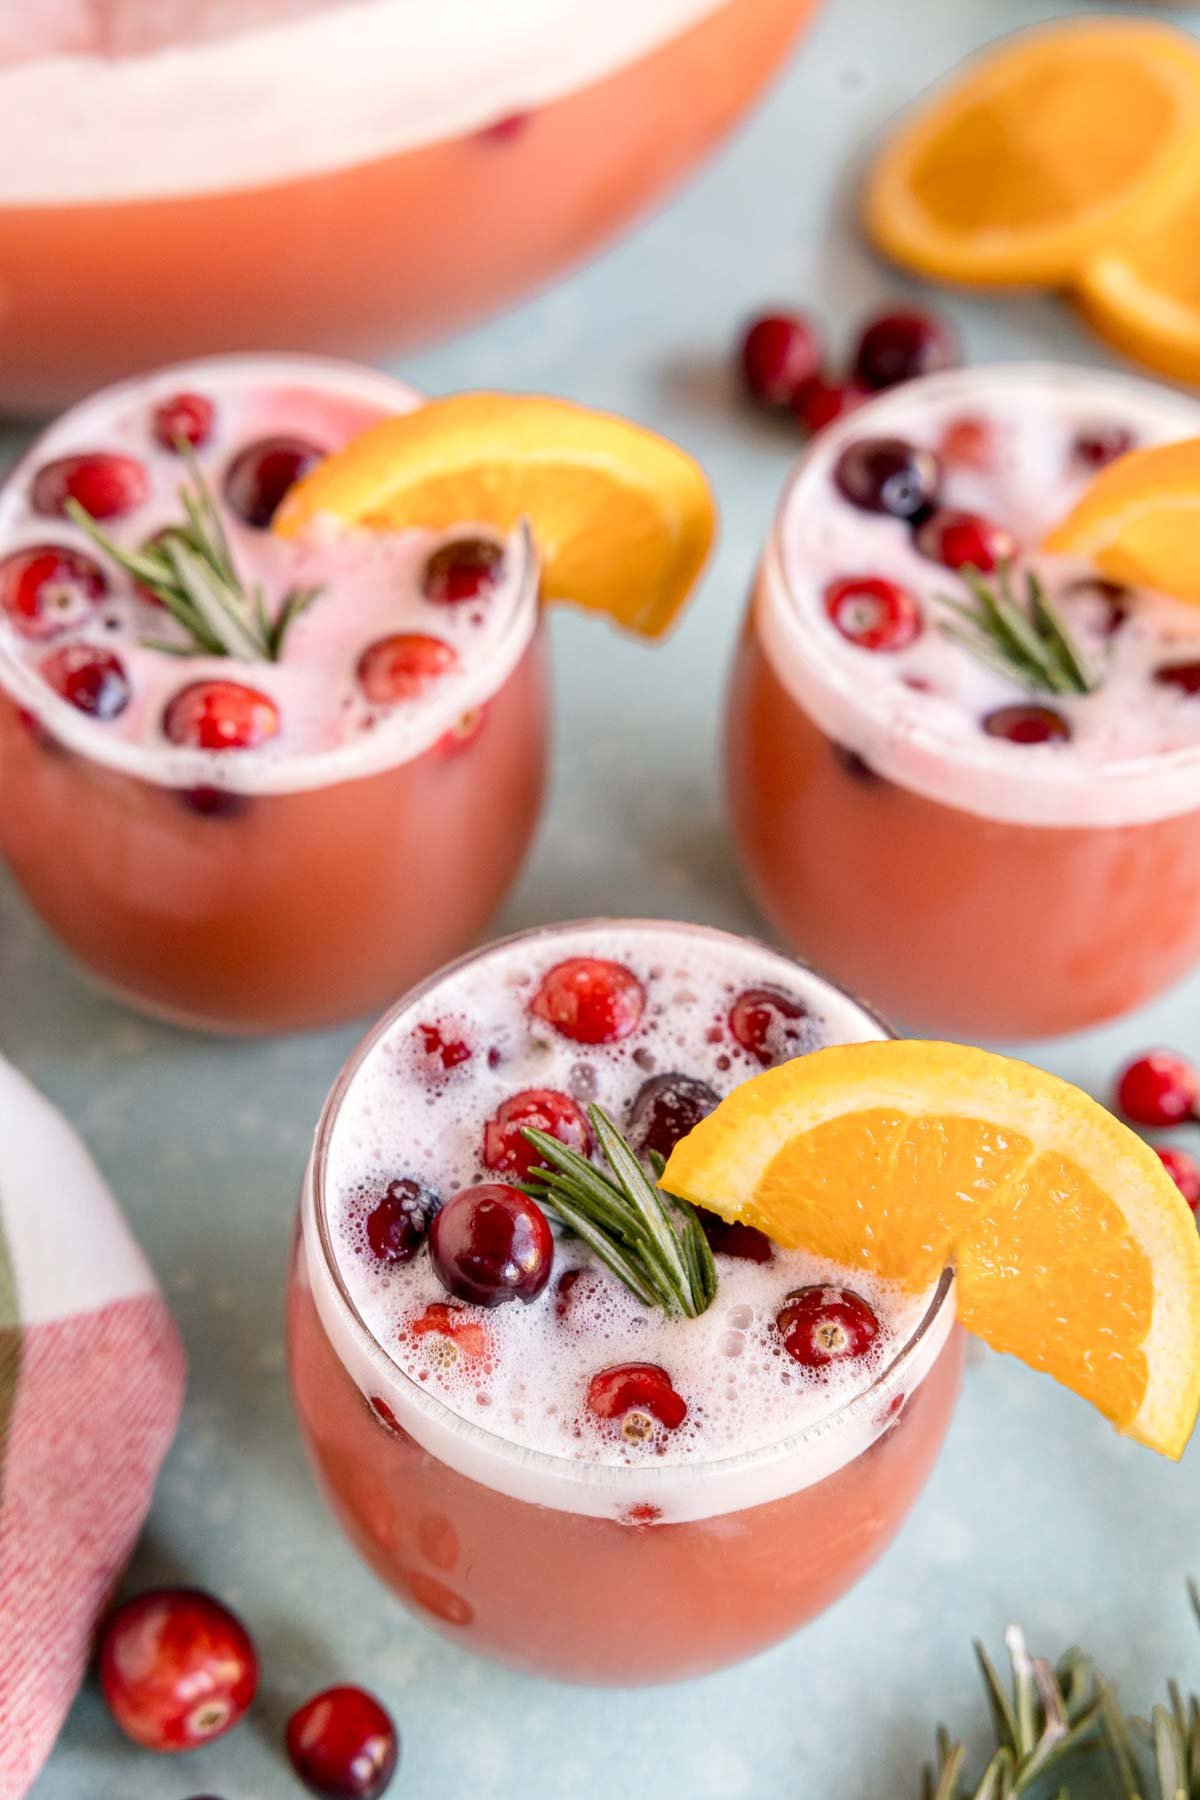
x: 1041, y: 148
x: 1074, y: 1249
x: 623, y: 520
x: 1139, y: 521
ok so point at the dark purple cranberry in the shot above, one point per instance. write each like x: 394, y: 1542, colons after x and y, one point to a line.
x: 888, y: 475
x: 899, y: 346
x: 491, y: 1243
x: 343, y: 1745
x: 746, y: 1242
x: 1185, y: 676
x: 464, y: 569
x: 1101, y: 444
x: 398, y: 1223
x: 261, y: 474
x: 770, y: 1025
x: 665, y: 1108
x: 214, y: 803
x: 1027, y: 725
x: 92, y: 680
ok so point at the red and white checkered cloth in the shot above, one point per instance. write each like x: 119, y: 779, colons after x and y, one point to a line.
x: 91, y: 1383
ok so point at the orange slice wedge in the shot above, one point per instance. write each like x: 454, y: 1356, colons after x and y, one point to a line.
x: 623, y: 520
x: 1141, y: 293
x: 1139, y: 521
x: 1074, y: 1249
x: 1040, y: 149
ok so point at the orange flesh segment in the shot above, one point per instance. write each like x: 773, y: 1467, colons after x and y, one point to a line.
x: 1139, y: 520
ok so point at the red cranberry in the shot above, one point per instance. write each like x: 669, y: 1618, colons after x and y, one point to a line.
x: 464, y: 569
x: 780, y: 352
x: 823, y: 1325
x: 214, y: 802
x: 1184, y: 676
x: 1102, y: 444
x: 636, y: 1395
x: 261, y: 474
x: 505, y: 130
x: 745, y: 1242
x: 819, y: 403
x: 177, y: 1668
x: 92, y: 680
x: 45, y: 588
x: 491, y: 1243
x: 465, y: 729
x: 1159, y: 1088
x: 399, y: 1222
x: 888, y: 475
x: 665, y: 1108
x: 967, y: 443
x: 106, y: 485
x: 873, y: 613
x: 186, y: 417
x: 960, y: 540
x: 899, y: 346
x: 1184, y: 1172
x: 464, y: 1333
x: 402, y: 666
x: 509, y: 1152
x: 1030, y: 724
x: 441, y: 1049
x: 220, y: 715
x: 770, y: 1025
x: 343, y: 1745
x: 589, y: 1000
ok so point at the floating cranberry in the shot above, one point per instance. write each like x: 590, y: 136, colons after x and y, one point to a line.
x: 220, y: 715
x: 1184, y: 676
x: 261, y: 474
x: 509, y: 1152
x: 1029, y: 724
x: 873, y: 613
x: 464, y: 569
x: 744, y: 1242
x: 770, y: 1025
x: 402, y: 666
x: 1184, y: 1172
x: 442, y: 1048
x: 343, y: 1745
x: 465, y: 729
x: 491, y: 1243
x: 589, y: 1000
x: 105, y: 484
x: 899, y: 346
x: 960, y: 540
x: 1160, y: 1088
x: 1096, y: 447
x: 888, y: 475
x: 823, y: 1325
x: 464, y: 1334
x: 45, y: 588
x: 177, y: 1668
x: 186, y: 418
x: 665, y: 1108
x: 214, y: 802
x: 505, y: 130
x: 967, y: 443
x: 92, y: 680
x: 398, y: 1223
x: 636, y: 1395
x: 819, y: 403
x: 780, y: 352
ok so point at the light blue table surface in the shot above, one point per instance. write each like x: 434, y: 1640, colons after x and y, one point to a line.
x: 1037, y: 1511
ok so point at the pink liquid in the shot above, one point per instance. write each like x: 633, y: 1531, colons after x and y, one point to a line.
x: 487, y: 1497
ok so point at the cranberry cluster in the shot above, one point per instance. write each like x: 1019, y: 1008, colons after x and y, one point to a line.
x: 1162, y: 1089
x: 784, y: 365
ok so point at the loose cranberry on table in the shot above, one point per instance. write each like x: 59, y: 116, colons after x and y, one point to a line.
x: 780, y: 352
x: 105, y: 484
x: 403, y: 666
x: 465, y: 569
x: 220, y: 715
x: 177, y: 1668
x: 399, y: 1220
x: 664, y: 1109
x: 184, y: 417
x: 823, y: 1325
x: 888, y: 475
x: 491, y: 1243
x: 45, y: 588
x: 589, y: 1000
x: 1159, y: 1088
x: 343, y: 1745
x: 1184, y: 1172
x: 899, y: 346
x: 508, y: 1151
x: 873, y: 613
x: 635, y: 1395
x: 960, y: 540
x: 1027, y: 725
x: 90, y: 679
x: 820, y: 402
x: 261, y: 474
x: 770, y: 1025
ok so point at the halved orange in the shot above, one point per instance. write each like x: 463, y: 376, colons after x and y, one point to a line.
x: 623, y: 520
x: 1139, y: 520
x: 1073, y: 1247
x: 1141, y: 292
x: 1014, y: 169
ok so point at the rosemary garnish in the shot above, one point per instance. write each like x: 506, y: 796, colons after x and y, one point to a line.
x: 1066, y: 1720
x: 189, y: 567
x: 1029, y: 643
x: 651, y: 1241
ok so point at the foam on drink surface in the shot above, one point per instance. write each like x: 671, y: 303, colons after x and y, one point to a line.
x: 405, y: 1115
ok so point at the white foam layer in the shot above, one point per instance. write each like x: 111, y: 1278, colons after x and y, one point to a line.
x: 758, y: 1426
x: 289, y: 91
x: 1134, y: 755
x: 370, y: 584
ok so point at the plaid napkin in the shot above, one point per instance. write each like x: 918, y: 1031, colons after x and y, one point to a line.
x: 91, y: 1383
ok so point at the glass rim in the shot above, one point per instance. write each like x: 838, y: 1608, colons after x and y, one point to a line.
x: 578, y: 1470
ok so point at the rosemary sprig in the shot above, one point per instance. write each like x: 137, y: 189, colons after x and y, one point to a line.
x: 189, y: 567
x: 651, y: 1241
x: 1029, y: 642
